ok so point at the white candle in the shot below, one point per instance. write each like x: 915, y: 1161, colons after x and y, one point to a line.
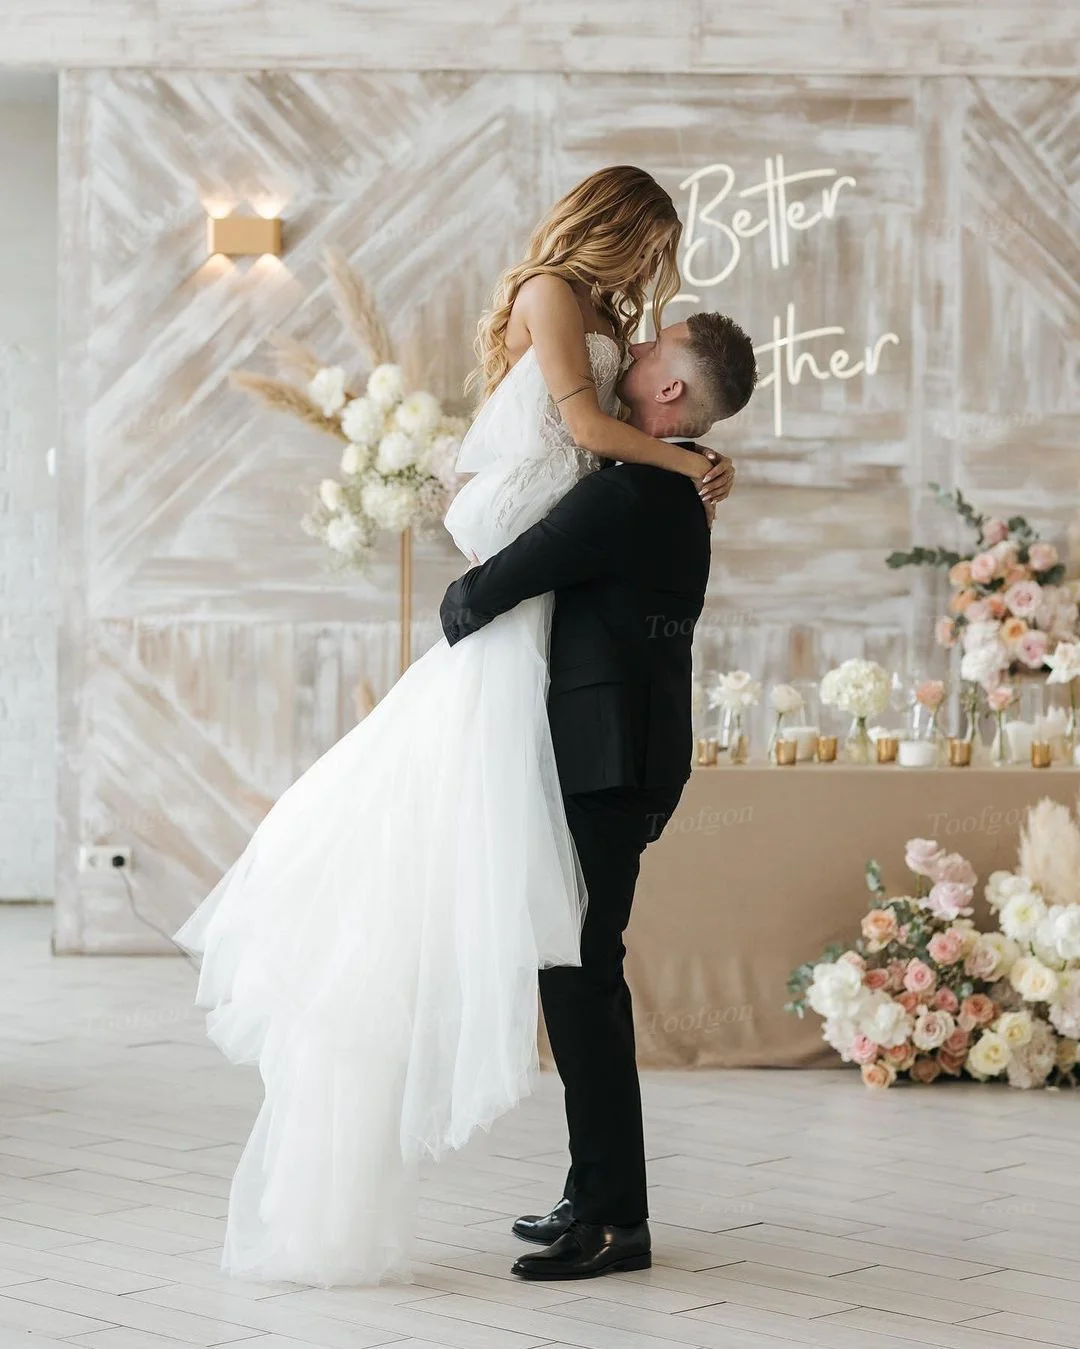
x: 806, y: 737
x: 1019, y: 735
x: 916, y: 754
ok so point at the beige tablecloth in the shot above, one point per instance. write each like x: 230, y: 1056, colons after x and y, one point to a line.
x: 760, y: 868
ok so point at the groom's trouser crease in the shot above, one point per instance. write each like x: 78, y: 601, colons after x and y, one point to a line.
x: 588, y: 1010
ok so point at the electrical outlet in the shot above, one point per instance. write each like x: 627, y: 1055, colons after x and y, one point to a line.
x: 102, y: 857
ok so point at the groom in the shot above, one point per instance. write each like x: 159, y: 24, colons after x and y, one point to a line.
x: 627, y: 554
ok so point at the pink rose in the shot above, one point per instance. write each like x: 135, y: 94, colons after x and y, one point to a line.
x: 984, y: 567
x: 925, y: 1069
x: 908, y: 1001
x: 997, y: 700
x: 945, y: 632
x: 879, y: 928
x: 947, y: 947
x: 919, y: 977
x: 995, y: 531
x: 853, y: 958
x: 1032, y: 648
x: 982, y: 961
x: 960, y: 574
x: 876, y: 979
x: 979, y: 612
x: 1042, y: 556
x: 945, y: 1000
x: 1023, y: 598
x: 957, y: 1043
x: 931, y: 692
x: 900, y: 1056
x: 948, y: 900
x: 956, y: 869
x: 922, y: 856
x: 878, y: 1074
x: 863, y: 1049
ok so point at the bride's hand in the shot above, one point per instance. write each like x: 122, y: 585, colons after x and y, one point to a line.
x: 715, y: 485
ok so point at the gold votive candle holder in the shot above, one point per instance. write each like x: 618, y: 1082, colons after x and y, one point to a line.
x: 1042, y: 751
x: 787, y: 751
x: 826, y: 748
x: 959, y: 753
x: 707, y: 751
x: 887, y: 746
x: 739, y: 750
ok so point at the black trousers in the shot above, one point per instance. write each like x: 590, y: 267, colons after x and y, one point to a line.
x: 588, y: 1012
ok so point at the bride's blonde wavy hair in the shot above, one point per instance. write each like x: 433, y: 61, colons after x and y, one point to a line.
x: 595, y: 235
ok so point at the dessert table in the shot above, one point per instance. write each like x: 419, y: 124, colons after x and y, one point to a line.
x: 761, y: 867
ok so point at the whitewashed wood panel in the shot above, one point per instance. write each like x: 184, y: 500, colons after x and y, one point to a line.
x: 775, y: 36
x: 206, y: 655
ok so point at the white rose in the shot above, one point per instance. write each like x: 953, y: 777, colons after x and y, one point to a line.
x: 363, y: 421
x: 396, y: 451
x: 418, y: 414
x: 385, y: 385
x: 1064, y: 662
x: 327, y: 389
x: 355, y: 459
x: 389, y: 504
x: 1034, y: 981
x: 991, y: 957
x: 840, y: 1033
x: 989, y: 1056
x: 330, y: 494
x: 981, y: 634
x: 785, y: 699
x: 836, y: 990
x: 1002, y: 885
x: 1014, y: 1028
x: 1022, y: 914
x: 1063, y: 931
x: 343, y: 534
x: 885, y: 1021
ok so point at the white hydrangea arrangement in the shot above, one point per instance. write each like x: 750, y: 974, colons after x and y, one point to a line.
x: 397, y: 468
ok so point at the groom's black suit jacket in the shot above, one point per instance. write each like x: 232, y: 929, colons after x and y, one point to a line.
x: 627, y: 553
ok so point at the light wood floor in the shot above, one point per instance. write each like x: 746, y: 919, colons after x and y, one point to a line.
x: 789, y: 1208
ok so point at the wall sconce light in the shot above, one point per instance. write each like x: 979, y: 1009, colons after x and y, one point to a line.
x: 239, y: 236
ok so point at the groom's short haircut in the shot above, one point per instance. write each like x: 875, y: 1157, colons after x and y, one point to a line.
x: 724, y: 363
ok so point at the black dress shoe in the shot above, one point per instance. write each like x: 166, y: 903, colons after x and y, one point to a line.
x: 586, y: 1250
x: 547, y: 1229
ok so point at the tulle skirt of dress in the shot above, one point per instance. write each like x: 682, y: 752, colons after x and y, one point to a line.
x: 374, y: 951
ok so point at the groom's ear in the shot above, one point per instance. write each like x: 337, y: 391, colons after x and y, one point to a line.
x: 670, y: 390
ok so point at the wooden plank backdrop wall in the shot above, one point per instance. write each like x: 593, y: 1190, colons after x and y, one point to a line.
x: 206, y: 656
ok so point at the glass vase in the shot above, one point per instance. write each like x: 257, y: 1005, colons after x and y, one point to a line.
x: 858, y: 747
x: 735, y: 738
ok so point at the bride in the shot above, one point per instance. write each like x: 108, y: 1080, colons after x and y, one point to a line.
x: 374, y: 950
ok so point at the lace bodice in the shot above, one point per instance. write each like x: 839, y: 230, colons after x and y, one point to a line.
x: 523, y: 454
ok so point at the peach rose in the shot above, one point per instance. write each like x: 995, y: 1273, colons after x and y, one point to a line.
x: 925, y: 1069
x: 1042, y: 556
x: 961, y: 600
x: 997, y: 700
x: 853, y: 958
x: 947, y: 947
x: 957, y: 1043
x: 878, y: 1074
x: 1012, y: 630
x: 876, y: 979
x: 960, y: 574
x: 945, y: 1000
x: 863, y: 1049
x: 945, y: 632
x: 931, y: 693
x: 995, y: 605
x: 978, y: 1010
x: 895, y: 971
x: 879, y: 928
x: 900, y: 1056
x: 1016, y: 575
x: 908, y: 1001
x: 984, y: 567
x: 951, y: 1063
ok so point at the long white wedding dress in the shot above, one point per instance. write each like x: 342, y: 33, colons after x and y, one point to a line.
x: 374, y: 949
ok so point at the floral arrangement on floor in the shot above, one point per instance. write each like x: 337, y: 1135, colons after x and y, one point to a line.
x: 922, y: 993
x: 399, y: 448
x: 1010, y: 605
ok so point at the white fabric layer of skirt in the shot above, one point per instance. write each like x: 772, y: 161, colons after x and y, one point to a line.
x: 374, y: 951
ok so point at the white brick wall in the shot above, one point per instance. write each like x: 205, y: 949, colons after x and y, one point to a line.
x: 28, y: 605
